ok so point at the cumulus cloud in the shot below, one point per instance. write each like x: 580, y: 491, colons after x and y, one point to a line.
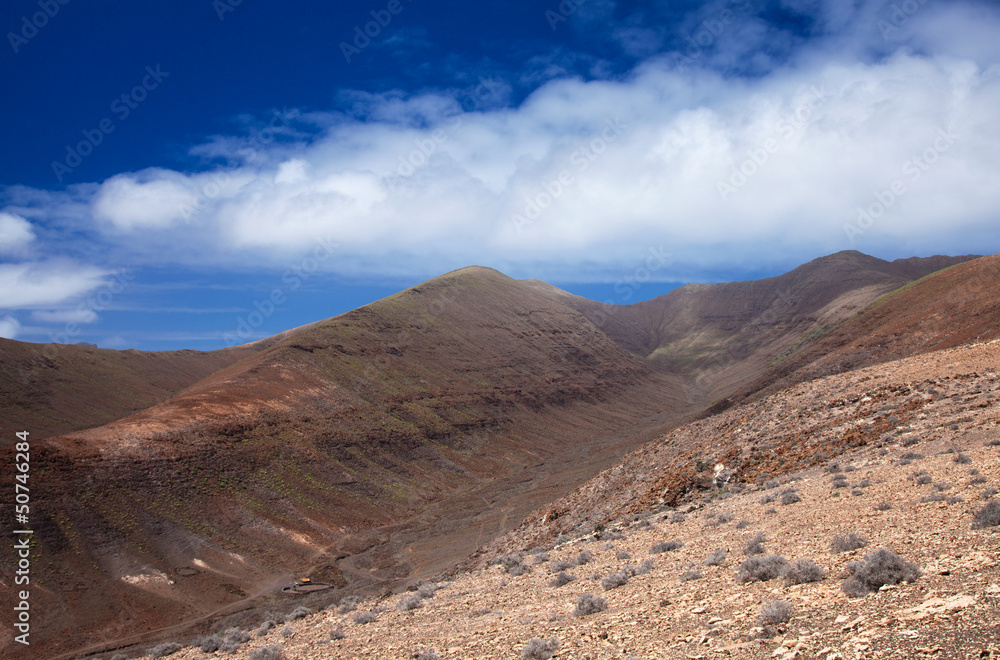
x: 15, y: 233
x: 845, y: 137
x: 9, y: 327
x: 45, y: 283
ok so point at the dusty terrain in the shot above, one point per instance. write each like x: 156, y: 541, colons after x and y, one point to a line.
x: 951, y: 432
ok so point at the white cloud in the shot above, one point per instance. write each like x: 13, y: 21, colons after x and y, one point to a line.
x: 81, y: 315
x: 9, y: 327
x: 45, y: 283
x: 411, y: 184
x: 15, y: 233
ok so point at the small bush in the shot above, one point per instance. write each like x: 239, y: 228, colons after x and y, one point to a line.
x: 519, y: 569
x: 879, y: 568
x: 539, y: 649
x: 644, y: 567
x: 337, y: 633
x: 790, y: 498
x: 361, y: 618
x: 209, y: 643
x: 762, y: 569
x: 165, y: 649
x: 769, y: 498
x: 348, y: 604
x: 724, y: 518
x: 266, y: 626
x: 562, y: 578
x: 287, y: 631
x: 743, y: 524
x: 924, y: 479
x: 615, y: 580
x: 978, y: 480
x: 857, y: 492
x: 804, y: 571
x: 119, y: 656
x: 267, y: 653
x: 560, y: 565
x: 775, y: 612
x: 988, y: 493
x: 298, y: 613
x: 883, y: 506
x: 583, y: 557
x: 942, y: 486
x: 962, y: 459
x: 410, y: 602
x: 955, y: 499
x: 540, y: 558
x: 427, y: 590
x: 992, y: 443
x: 622, y: 555
x: 988, y: 516
x: 848, y: 542
x: 666, y: 546
x: 864, y: 483
x: 678, y: 517
x: 717, y: 558
x: 933, y: 497
x: 912, y: 456
x: 589, y: 604
x: 840, y: 481
x: 691, y: 574
x: 429, y: 654
x: 769, y: 484
x: 770, y: 511
x: 755, y: 545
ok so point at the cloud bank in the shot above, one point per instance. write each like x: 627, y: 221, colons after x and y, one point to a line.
x: 735, y: 143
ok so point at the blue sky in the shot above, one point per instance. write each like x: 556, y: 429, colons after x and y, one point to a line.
x: 170, y: 165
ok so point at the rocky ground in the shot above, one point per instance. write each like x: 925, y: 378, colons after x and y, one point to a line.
x: 904, y: 455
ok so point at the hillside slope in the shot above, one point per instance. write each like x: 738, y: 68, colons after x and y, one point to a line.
x: 342, y: 449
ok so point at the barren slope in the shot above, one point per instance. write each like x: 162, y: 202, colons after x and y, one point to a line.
x: 439, y: 413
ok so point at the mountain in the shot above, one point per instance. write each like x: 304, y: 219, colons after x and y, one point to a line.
x: 386, y: 443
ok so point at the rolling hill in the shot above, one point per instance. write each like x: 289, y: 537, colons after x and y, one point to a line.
x: 392, y: 441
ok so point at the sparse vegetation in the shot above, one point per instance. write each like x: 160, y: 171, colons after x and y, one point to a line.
x: 924, y: 479
x: 562, y: 578
x: 583, y: 557
x: 762, y: 569
x: 539, y: 649
x: 803, y: 571
x: 298, y: 613
x: 287, y: 631
x: 988, y: 516
x: 912, y: 456
x: 429, y: 654
x: 266, y: 626
x: 755, y: 545
x: 665, y: 546
x: 883, y: 506
x: 348, y: 604
x: 848, y: 542
x: 622, y: 555
x: 560, y: 565
x: 163, y: 650
x: 410, y: 602
x: 540, y: 558
x: 978, y: 480
x: 691, y: 574
x: 337, y: 633
x: 588, y: 603
x: 267, y: 653
x: 361, y: 618
x: 717, y: 558
x: 775, y: 612
x: 615, y: 580
x: 677, y: 517
x: 988, y: 493
x: 790, y: 497
x: 962, y: 459
x: 878, y: 569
